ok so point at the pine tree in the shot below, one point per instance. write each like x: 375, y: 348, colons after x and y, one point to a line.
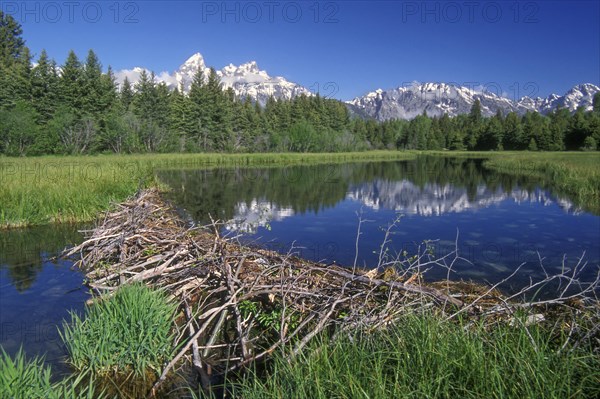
x: 559, y: 123
x: 126, y: 95
x: 492, y: 136
x: 475, y: 125
x: 435, y: 138
x: 593, y: 121
x: 536, y: 127
x: 91, y: 86
x: 44, y: 87
x: 179, y: 118
x: 532, y: 145
x: 11, y: 42
x: 162, y: 105
x: 198, y: 101
x: 108, y: 96
x: 577, y: 130
x: 15, y: 63
x: 144, y: 101
x: 446, y: 130
x: 214, y: 116
x: 71, y: 83
x: 596, y: 103
x: 513, y: 133
x: 457, y: 140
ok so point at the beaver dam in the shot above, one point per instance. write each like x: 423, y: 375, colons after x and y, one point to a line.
x: 238, y: 305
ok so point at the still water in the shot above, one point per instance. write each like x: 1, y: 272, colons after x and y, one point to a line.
x: 500, y: 222
x: 37, y: 292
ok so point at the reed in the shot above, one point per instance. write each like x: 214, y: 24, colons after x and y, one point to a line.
x: 25, y: 379
x: 130, y: 333
x: 423, y: 356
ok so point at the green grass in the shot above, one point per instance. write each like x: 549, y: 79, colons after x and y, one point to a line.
x: 22, y: 379
x: 425, y: 357
x: 50, y: 189
x: 130, y: 333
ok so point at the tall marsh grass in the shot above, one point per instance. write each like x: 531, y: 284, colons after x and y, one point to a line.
x: 130, y: 333
x: 49, y: 189
x: 424, y: 356
x: 23, y: 379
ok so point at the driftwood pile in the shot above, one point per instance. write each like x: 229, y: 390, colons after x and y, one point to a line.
x: 240, y: 304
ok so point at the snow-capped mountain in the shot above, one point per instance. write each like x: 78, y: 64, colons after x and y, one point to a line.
x: 438, y: 98
x: 246, y: 80
x: 405, y: 102
x: 580, y: 95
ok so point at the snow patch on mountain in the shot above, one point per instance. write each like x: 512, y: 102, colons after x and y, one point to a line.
x: 246, y: 80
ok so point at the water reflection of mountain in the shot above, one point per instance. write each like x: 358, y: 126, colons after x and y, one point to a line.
x: 435, y: 199
x: 258, y: 213
x: 426, y: 185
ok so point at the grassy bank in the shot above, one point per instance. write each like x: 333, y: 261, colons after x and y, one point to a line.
x: 62, y: 189
x: 572, y: 174
x: 423, y: 356
x: 575, y: 174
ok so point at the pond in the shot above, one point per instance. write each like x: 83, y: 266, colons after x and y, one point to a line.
x: 498, y: 221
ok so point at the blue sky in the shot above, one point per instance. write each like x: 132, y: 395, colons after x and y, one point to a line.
x: 515, y: 48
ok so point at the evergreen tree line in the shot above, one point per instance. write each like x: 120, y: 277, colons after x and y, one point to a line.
x: 79, y: 109
x: 557, y: 131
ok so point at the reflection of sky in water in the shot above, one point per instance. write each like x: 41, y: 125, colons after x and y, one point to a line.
x: 31, y: 311
x: 497, y: 230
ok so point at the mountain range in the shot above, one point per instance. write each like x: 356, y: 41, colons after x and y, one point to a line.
x: 405, y: 102
x: 438, y: 98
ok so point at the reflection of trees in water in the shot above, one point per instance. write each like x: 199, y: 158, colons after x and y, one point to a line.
x: 313, y: 188
x: 24, y: 251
